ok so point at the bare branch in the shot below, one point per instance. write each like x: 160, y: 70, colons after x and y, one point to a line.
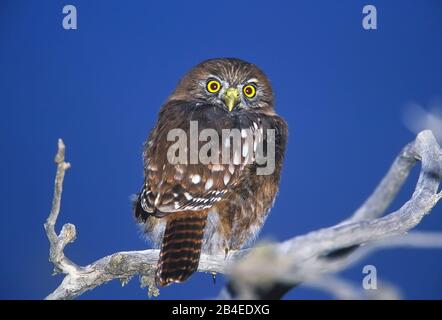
x: 307, y: 257
x: 342, y: 289
x: 300, y: 259
x: 67, y: 235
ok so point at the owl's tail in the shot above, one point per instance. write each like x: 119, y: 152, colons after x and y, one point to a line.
x: 181, y: 247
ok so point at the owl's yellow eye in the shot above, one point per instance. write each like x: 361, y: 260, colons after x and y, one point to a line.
x: 213, y: 86
x: 249, y: 91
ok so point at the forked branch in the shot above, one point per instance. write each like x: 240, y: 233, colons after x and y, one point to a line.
x: 300, y: 259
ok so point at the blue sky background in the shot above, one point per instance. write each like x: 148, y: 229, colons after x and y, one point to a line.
x: 341, y: 89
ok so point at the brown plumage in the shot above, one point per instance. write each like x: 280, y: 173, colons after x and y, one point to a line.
x: 189, y: 208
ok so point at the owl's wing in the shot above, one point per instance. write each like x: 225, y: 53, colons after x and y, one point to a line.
x: 187, y: 187
x: 172, y: 188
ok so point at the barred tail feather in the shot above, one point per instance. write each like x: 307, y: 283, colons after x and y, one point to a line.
x: 181, y: 247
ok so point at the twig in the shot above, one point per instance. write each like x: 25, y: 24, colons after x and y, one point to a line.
x: 67, y: 234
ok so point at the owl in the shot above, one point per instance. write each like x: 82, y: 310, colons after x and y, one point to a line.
x: 189, y: 207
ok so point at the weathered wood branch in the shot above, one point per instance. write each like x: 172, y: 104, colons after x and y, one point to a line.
x: 300, y: 259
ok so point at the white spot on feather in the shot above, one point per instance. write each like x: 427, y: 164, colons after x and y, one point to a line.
x: 157, y: 200
x: 245, y: 150
x: 209, y: 184
x: 188, y: 196
x: 195, y: 178
x: 226, y: 179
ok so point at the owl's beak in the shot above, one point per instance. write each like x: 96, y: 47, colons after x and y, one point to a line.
x: 231, y: 98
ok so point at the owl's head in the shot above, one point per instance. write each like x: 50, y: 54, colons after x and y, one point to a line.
x: 229, y: 83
